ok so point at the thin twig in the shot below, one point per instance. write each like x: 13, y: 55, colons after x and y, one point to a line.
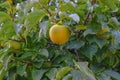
x: 87, y: 18
x: 44, y: 7
x: 89, y: 14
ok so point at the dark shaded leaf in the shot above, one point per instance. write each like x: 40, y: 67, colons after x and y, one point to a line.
x: 37, y: 74
x: 75, y: 44
x: 89, y: 51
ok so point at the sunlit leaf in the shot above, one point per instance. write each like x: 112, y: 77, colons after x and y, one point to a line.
x: 5, y: 5
x: 62, y: 72
x: 34, y: 18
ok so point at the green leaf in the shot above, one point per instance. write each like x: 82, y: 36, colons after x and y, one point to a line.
x: 114, y: 23
x: 2, y: 73
x: 21, y: 69
x: 101, y: 55
x: 7, y: 60
x: 67, y: 77
x: 26, y: 55
x: 62, y: 72
x: 83, y: 67
x: 37, y: 74
x: 5, y: 5
x: 112, y: 60
x: 116, y: 41
x: 51, y: 74
x: 44, y: 52
x: 12, y: 75
x: 33, y: 19
x: 91, y: 39
x: 67, y: 7
x: 83, y: 1
x: 27, y: 7
x: 75, y: 17
x: 75, y: 44
x: 43, y: 26
x: 77, y: 75
x: 87, y: 32
x: 103, y: 76
x: 38, y: 64
x: 7, y: 29
x: 45, y: 2
x: 99, y: 41
x: 110, y: 4
x: 66, y: 59
x: 71, y: 8
x: 81, y: 27
x: 113, y: 74
x: 3, y: 53
x: 4, y: 16
x: 97, y: 68
x: 89, y: 51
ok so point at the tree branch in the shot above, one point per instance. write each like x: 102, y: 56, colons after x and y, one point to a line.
x: 89, y: 14
x: 44, y: 7
x: 93, y: 2
x: 87, y: 18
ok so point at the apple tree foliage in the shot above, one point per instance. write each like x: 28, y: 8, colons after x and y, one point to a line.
x: 92, y: 52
